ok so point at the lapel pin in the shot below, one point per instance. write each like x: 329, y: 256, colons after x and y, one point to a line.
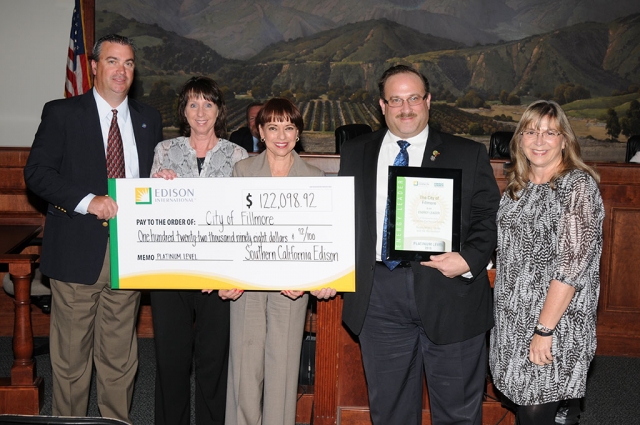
x: 144, y: 125
x: 434, y: 155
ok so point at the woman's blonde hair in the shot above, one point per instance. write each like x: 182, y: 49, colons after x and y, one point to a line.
x: 519, y: 169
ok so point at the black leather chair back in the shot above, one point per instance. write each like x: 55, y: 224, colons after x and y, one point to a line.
x: 633, y: 146
x: 350, y: 131
x: 499, y: 144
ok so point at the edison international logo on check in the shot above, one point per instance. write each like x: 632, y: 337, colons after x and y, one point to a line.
x: 143, y: 195
x: 147, y: 195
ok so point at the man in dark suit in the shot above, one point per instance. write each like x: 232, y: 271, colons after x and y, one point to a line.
x: 248, y: 137
x: 431, y: 315
x: 80, y: 141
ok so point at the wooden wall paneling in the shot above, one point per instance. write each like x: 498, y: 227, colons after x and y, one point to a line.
x: 304, y: 406
x: 624, y: 269
x: 21, y: 202
x: 11, y: 177
x: 618, y: 327
x: 13, y: 156
x: 328, y: 334
x: 145, y: 323
x: 17, y: 205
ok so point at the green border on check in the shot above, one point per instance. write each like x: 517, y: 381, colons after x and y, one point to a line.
x: 113, y: 238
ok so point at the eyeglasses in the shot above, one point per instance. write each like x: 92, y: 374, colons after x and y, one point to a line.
x: 396, y: 102
x: 546, y: 135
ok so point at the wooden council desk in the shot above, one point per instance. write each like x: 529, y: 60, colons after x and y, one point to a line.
x: 23, y: 392
x: 339, y: 394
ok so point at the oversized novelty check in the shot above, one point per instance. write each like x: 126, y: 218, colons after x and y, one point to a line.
x: 256, y: 233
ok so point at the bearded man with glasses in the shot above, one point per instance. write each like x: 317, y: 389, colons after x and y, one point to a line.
x: 427, y: 316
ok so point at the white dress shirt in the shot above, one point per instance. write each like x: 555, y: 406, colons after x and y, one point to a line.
x: 131, y: 166
x: 388, y: 152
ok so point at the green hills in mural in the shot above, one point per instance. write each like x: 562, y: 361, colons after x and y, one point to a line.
x: 367, y: 41
x: 240, y: 29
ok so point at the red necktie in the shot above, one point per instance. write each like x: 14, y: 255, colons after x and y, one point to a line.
x: 115, y: 151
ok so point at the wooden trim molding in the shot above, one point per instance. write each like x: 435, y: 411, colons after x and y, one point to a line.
x: 89, y: 23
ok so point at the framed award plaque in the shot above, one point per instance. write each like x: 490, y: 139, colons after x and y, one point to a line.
x: 424, y: 212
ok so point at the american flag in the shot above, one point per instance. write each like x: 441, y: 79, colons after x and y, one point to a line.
x: 77, y: 81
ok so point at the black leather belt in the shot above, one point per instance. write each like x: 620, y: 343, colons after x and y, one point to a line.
x: 402, y: 265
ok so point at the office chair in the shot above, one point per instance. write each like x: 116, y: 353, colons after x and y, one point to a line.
x: 350, y: 131
x: 499, y: 144
x: 633, y: 146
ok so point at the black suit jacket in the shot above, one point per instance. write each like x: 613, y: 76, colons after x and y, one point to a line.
x: 242, y: 137
x: 66, y: 163
x: 451, y: 310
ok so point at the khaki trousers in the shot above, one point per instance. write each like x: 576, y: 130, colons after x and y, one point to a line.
x: 93, y: 325
x: 264, y: 358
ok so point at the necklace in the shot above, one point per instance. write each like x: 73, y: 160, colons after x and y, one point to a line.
x: 200, y: 163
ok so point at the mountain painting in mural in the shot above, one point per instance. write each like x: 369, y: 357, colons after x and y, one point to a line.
x: 602, y: 57
x: 329, y: 55
x: 240, y: 29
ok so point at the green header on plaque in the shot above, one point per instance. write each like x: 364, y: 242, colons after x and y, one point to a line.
x: 401, y: 184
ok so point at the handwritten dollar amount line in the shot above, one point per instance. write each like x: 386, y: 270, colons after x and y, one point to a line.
x: 282, y: 200
x: 306, y: 234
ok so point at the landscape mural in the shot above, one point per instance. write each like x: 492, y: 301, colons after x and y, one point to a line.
x: 485, y: 59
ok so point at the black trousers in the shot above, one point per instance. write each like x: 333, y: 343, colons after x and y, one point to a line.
x: 188, y: 325
x: 396, y: 350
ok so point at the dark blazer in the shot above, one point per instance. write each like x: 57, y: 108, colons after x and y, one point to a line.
x: 451, y: 310
x: 242, y: 137
x: 66, y: 163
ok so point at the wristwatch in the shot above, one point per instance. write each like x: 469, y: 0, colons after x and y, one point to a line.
x: 542, y: 330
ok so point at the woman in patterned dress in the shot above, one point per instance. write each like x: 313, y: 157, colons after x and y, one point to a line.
x: 188, y: 323
x: 548, y: 259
